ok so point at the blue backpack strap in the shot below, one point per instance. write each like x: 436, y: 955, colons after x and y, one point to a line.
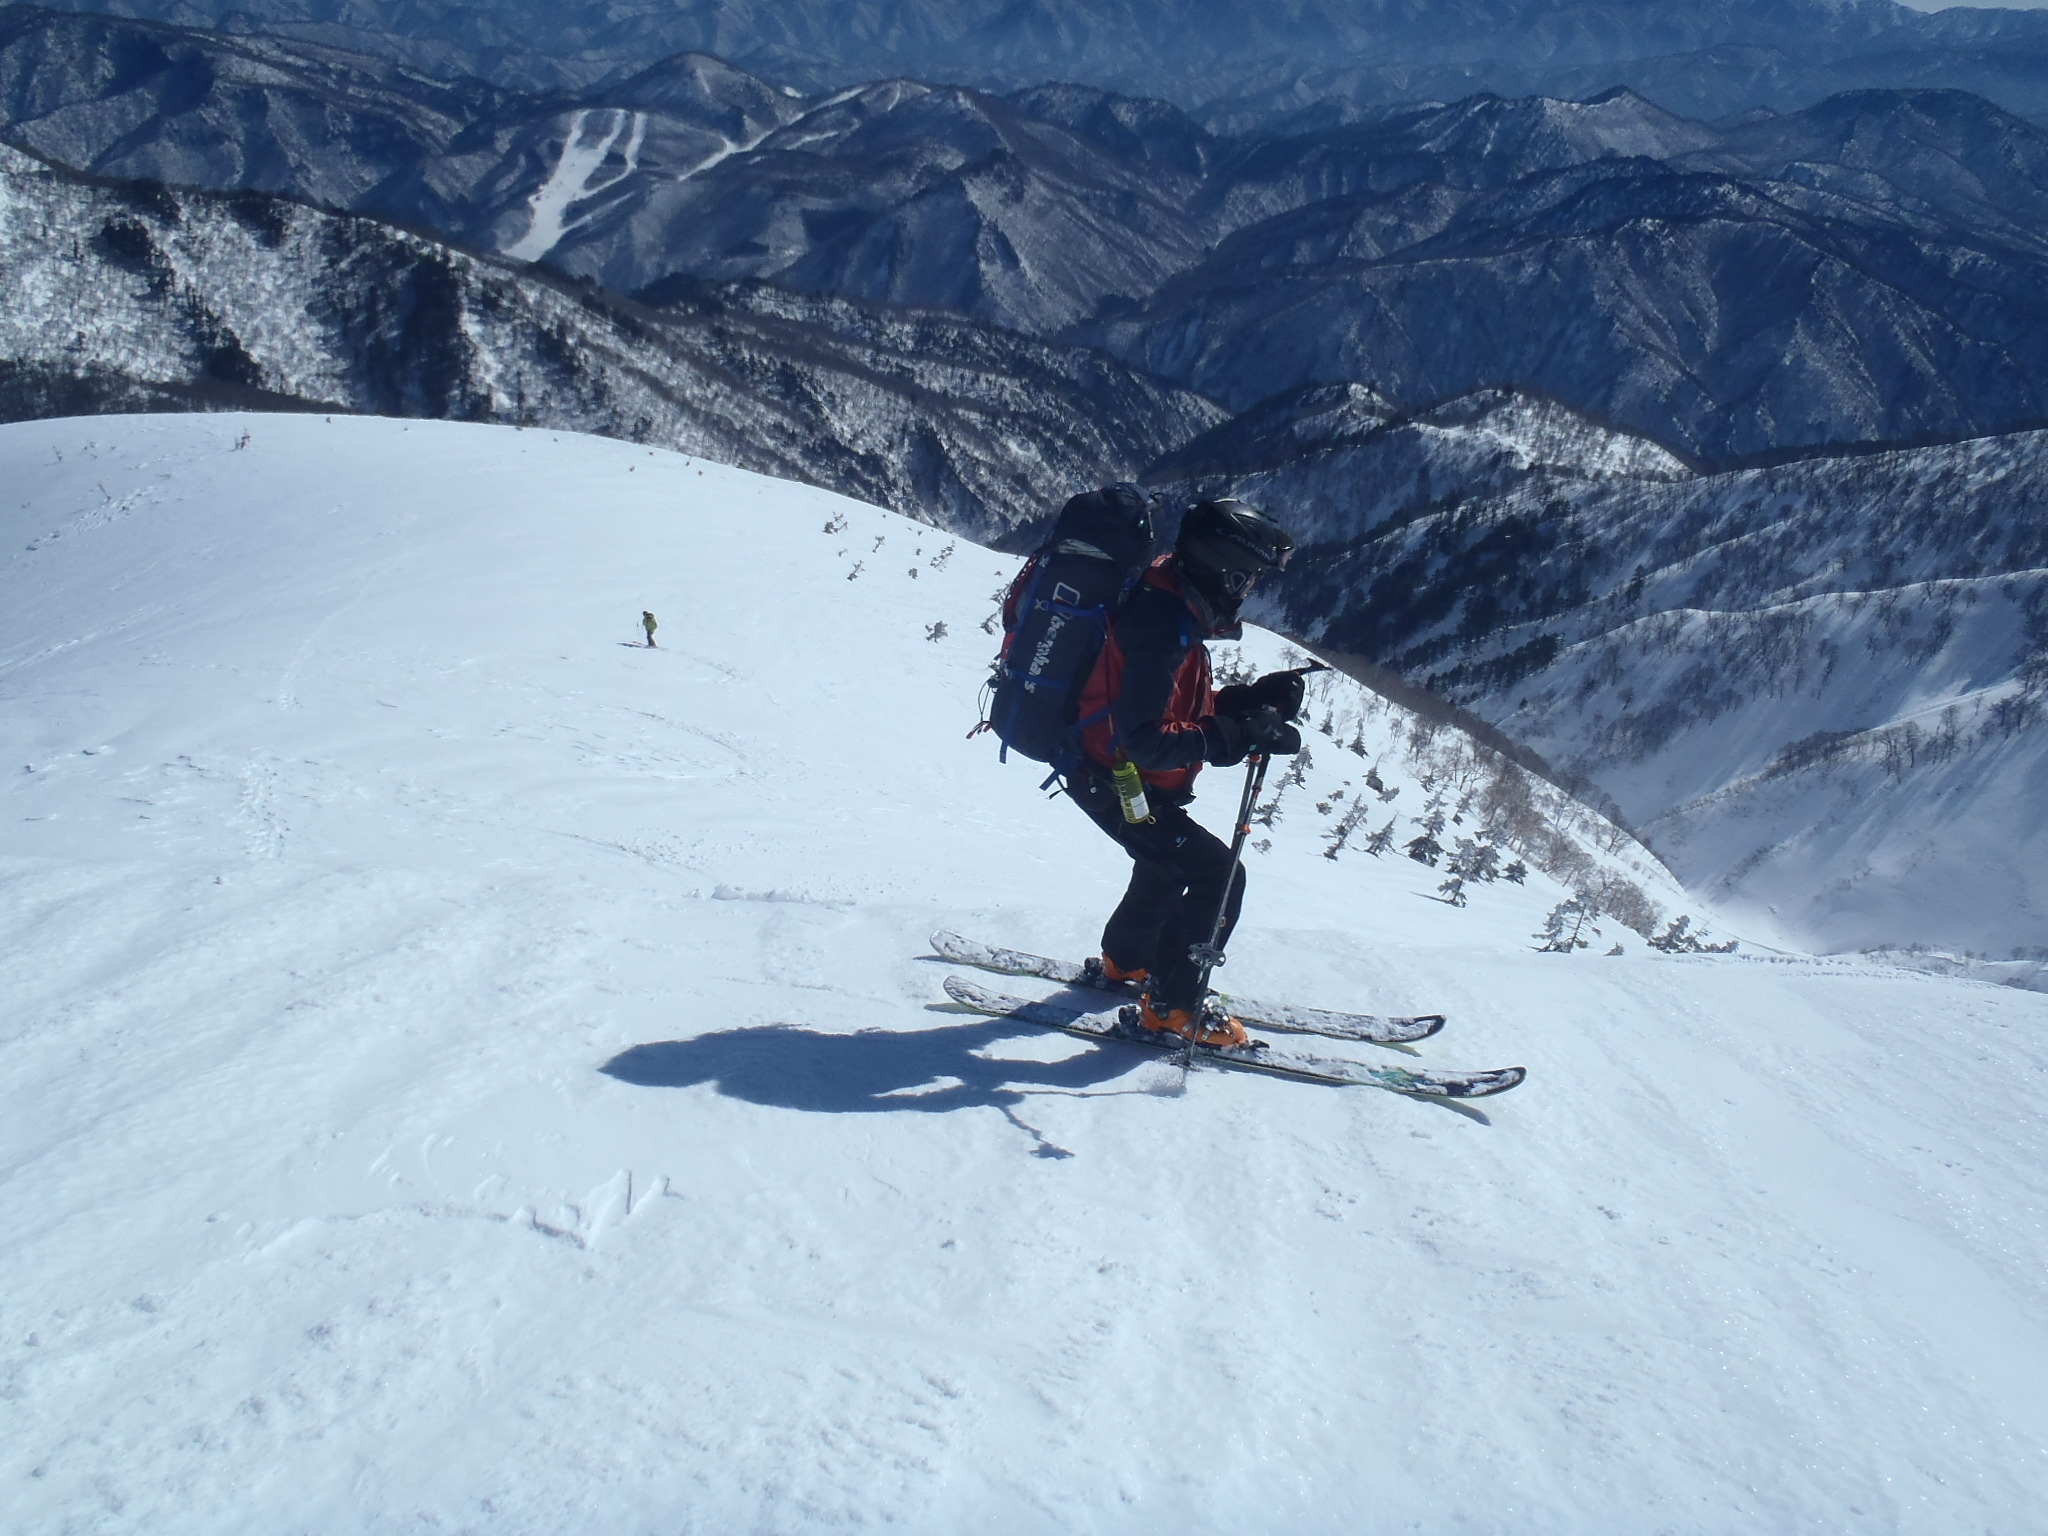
x: 1107, y: 712
x: 1025, y: 603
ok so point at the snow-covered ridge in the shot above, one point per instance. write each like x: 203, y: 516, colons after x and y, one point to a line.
x: 1342, y: 462
x: 461, y: 1067
x: 143, y: 297
x: 1818, y: 688
x: 1477, y: 544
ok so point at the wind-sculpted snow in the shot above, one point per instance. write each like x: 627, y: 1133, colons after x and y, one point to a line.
x: 142, y: 296
x: 464, y: 1069
x: 1821, y: 687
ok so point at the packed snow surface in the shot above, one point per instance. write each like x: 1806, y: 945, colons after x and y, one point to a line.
x: 463, y: 1070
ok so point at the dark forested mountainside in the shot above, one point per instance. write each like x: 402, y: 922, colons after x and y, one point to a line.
x: 1727, y: 312
x: 1244, y: 63
x: 1556, y: 531
x: 134, y: 297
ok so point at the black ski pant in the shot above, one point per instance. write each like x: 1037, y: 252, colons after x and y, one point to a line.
x: 1179, y: 873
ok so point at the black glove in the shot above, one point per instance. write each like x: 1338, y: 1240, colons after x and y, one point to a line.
x: 1224, y: 740
x: 1278, y: 691
x: 1235, y: 701
x: 1266, y: 732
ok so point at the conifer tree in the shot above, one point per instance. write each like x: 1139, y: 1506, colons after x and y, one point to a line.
x: 1563, y: 930
x: 1679, y: 939
x: 1432, y: 818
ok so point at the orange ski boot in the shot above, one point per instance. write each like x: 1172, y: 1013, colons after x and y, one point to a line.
x: 1101, y: 971
x: 1205, y: 1026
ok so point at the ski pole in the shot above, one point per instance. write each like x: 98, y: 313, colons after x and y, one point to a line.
x: 1210, y: 955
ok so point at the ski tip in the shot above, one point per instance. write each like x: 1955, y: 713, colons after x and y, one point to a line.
x: 1424, y: 1025
x: 1452, y: 1085
x: 1484, y: 1085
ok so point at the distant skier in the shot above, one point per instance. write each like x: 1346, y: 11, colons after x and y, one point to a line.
x: 647, y: 623
x: 1150, y: 703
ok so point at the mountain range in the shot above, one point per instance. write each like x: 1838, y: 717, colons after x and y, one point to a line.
x: 1235, y: 62
x: 1870, y: 269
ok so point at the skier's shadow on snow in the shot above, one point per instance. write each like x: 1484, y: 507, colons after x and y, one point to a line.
x: 925, y: 1071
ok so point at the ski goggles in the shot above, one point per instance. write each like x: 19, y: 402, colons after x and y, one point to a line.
x: 1237, y: 583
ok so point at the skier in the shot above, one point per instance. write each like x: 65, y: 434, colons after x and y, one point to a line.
x: 647, y: 623
x: 1150, y: 702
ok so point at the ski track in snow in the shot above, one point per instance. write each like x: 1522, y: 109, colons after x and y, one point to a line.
x: 731, y: 148
x: 462, y: 1069
x: 574, y: 178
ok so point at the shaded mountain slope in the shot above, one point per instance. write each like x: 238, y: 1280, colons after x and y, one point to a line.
x: 1725, y: 316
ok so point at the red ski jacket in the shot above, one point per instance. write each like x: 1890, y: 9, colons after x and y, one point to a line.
x: 1151, y: 685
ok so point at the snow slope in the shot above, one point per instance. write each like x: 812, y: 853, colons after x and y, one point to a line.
x: 460, y: 1070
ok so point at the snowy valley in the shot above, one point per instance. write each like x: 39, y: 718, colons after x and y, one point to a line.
x: 465, y: 1069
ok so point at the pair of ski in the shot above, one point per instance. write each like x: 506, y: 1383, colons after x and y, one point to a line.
x: 1119, y: 1023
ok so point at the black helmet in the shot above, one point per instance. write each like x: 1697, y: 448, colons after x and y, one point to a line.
x: 1226, y: 545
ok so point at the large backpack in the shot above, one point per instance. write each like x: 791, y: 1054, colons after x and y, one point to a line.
x: 1056, y: 615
